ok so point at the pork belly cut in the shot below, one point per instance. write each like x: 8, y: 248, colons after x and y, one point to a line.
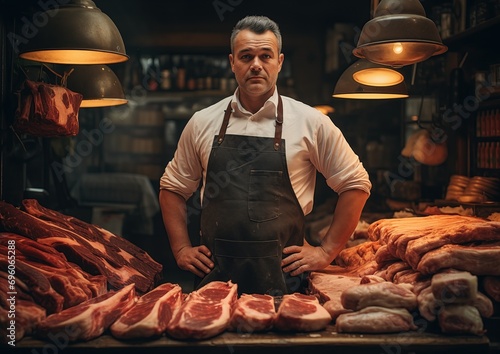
x: 454, y: 287
x: 384, y: 294
x: 205, y: 313
x: 410, y: 238
x: 151, y: 314
x: 376, y: 319
x: 357, y: 255
x: 253, y: 313
x: 89, y: 319
x: 428, y: 305
x: 460, y: 319
x: 491, y: 287
x: 484, y: 305
x: 476, y: 258
x: 301, y: 313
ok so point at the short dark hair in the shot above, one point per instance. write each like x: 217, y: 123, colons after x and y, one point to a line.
x: 259, y: 25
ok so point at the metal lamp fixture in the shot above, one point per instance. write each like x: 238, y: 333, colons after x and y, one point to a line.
x: 98, y: 84
x: 76, y: 32
x: 399, y: 34
x: 347, y: 87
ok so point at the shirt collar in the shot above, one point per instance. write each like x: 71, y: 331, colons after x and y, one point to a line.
x: 271, y: 105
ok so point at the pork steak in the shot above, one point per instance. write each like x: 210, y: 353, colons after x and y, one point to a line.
x: 205, y: 313
x: 302, y: 313
x: 151, y: 314
x: 253, y: 313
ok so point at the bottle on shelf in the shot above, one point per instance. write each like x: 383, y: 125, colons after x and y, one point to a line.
x: 165, y: 73
x: 181, y: 75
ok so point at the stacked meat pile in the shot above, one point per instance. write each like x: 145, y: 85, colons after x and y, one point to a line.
x: 450, y: 262
x: 54, y: 262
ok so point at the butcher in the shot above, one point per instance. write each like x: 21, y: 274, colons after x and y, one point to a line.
x: 256, y: 154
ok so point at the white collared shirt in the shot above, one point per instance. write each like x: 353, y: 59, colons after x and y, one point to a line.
x: 312, y: 143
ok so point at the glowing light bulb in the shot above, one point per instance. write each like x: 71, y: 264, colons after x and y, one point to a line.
x: 397, y: 48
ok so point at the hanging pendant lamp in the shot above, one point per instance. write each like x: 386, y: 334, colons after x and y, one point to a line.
x: 399, y: 34
x: 98, y: 84
x: 347, y: 87
x: 76, y: 32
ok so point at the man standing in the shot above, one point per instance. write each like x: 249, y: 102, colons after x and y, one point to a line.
x: 257, y: 154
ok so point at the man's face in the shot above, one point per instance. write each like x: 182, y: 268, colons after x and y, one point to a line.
x: 256, y: 62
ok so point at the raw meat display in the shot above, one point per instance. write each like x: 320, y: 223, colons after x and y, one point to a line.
x: 460, y: 319
x: 253, y: 313
x: 302, y: 313
x: 384, y: 294
x: 151, y: 314
x: 95, y: 250
x: 376, y: 319
x: 205, y: 313
x: 89, y: 319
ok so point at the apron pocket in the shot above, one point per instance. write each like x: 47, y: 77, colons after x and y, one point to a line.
x: 264, y: 192
x: 255, y: 266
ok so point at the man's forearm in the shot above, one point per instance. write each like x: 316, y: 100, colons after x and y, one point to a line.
x: 345, y: 219
x: 173, y: 210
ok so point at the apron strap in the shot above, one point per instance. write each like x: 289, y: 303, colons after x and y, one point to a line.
x: 225, y: 122
x: 277, y: 131
x: 279, y: 125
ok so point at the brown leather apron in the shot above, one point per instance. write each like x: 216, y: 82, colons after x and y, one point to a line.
x: 250, y: 211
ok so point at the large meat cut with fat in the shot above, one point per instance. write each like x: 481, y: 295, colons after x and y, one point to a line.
x: 376, y: 319
x: 151, y: 315
x: 206, y: 312
x: 96, y: 250
x: 302, y: 313
x: 383, y: 294
x: 253, y: 313
x: 89, y: 319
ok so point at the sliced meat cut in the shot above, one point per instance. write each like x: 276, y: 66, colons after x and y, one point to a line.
x: 253, y: 313
x: 329, y: 287
x: 375, y: 319
x: 460, y: 319
x: 151, y: 314
x: 301, y: 313
x: 454, y: 287
x: 205, y: 313
x: 89, y: 319
x: 478, y: 259
x: 384, y: 294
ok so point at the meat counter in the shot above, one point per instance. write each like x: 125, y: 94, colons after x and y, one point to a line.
x: 327, y: 341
